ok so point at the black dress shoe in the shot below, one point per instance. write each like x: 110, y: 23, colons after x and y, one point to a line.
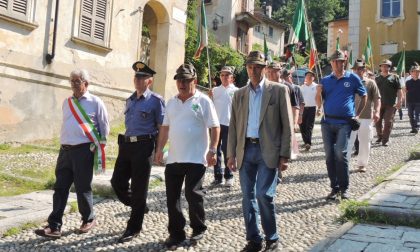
x: 197, y: 235
x: 128, y: 236
x: 172, y: 243
x: 252, y: 246
x: 378, y: 141
x: 272, y: 245
x: 386, y: 144
x: 333, y: 195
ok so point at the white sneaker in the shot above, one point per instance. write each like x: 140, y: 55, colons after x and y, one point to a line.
x: 229, y: 182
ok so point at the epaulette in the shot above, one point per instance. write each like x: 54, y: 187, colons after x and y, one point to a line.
x: 157, y: 95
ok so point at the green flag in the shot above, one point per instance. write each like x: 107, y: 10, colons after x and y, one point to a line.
x: 368, y: 53
x: 401, y: 64
x: 299, y: 29
x: 337, y: 43
x: 266, y: 52
x: 202, y: 37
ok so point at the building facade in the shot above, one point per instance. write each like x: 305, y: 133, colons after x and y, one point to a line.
x: 391, y: 22
x: 338, y: 28
x: 274, y: 33
x: 236, y: 23
x: 42, y: 42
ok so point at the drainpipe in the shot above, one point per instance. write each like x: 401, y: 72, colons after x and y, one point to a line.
x: 50, y: 57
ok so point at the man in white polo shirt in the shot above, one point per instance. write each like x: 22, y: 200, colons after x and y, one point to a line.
x: 188, y: 117
x: 222, y: 98
x: 308, y: 114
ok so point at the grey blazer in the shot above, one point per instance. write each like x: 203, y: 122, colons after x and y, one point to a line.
x: 276, y: 124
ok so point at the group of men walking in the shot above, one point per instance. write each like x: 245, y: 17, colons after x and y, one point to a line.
x: 253, y: 127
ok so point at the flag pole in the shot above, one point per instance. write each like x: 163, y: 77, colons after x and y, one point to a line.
x: 403, y: 75
x: 317, y: 64
x: 208, y: 65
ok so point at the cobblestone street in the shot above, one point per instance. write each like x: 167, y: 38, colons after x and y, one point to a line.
x: 304, y: 216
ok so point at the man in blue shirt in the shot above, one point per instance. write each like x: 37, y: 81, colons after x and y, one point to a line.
x: 143, y: 116
x: 337, y: 93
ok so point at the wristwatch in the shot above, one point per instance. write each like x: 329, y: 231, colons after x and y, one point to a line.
x: 213, y: 150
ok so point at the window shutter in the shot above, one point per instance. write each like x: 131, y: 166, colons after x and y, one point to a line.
x: 86, y: 18
x: 20, y: 7
x: 93, y: 19
x: 100, y: 20
x: 3, y: 4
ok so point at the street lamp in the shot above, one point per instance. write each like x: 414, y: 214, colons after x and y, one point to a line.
x: 216, y: 21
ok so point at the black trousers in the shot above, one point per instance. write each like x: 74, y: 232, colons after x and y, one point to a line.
x: 193, y: 174
x: 133, y: 162
x: 307, y: 125
x: 73, y: 165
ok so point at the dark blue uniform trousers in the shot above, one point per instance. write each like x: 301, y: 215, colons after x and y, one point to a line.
x: 133, y: 163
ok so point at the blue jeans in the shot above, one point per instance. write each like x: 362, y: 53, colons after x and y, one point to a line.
x: 336, y: 137
x: 222, y: 148
x: 413, y: 114
x: 258, y: 185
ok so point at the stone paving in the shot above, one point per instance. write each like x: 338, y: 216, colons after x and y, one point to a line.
x: 304, y: 217
x: 399, y: 196
x: 394, y: 200
x: 373, y: 238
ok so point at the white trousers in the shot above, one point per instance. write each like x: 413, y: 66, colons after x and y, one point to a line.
x: 365, y: 134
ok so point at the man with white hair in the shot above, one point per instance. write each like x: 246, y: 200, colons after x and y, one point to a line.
x: 83, y: 136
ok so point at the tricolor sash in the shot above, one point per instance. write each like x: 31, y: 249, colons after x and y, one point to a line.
x: 91, y: 132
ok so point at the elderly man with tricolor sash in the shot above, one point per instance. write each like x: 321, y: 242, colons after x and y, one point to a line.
x: 83, y: 137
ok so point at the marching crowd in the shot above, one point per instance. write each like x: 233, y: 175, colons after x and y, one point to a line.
x: 252, y: 129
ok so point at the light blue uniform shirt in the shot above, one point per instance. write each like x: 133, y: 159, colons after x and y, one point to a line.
x: 254, y: 108
x: 71, y: 132
x: 143, y: 115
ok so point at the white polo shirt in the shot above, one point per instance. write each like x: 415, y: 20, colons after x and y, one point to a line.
x: 188, y: 128
x: 309, y: 93
x: 222, y: 98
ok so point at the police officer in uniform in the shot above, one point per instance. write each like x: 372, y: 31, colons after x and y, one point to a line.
x: 144, y: 114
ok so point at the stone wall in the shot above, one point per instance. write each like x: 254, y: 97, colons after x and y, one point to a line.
x: 32, y: 91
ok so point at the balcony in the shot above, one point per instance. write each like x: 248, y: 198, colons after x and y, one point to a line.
x: 248, y: 18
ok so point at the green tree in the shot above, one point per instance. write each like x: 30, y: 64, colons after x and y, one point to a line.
x: 220, y: 55
x: 257, y: 47
x: 410, y: 58
x: 319, y: 13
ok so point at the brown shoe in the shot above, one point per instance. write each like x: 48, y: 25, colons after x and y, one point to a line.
x: 48, y: 232
x: 87, y: 226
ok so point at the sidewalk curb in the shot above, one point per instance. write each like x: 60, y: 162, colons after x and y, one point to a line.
x: 36, y: 215
x: 405, y: 216
x: 324, y: 244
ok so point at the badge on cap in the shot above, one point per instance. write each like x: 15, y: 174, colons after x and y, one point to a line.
x: 139, y: 66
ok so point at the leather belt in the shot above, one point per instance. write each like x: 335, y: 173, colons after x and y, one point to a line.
x: 252, y: 140
x: 134, y: 139
x: 67, y: 147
